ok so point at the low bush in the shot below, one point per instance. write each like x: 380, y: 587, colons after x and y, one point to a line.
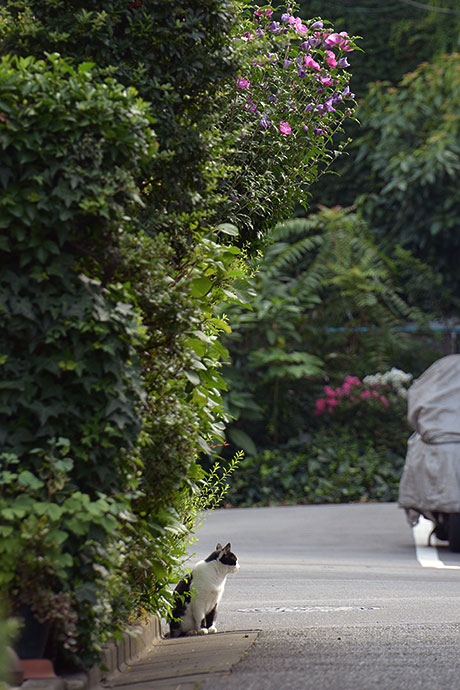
x: 333, y: 466
x: 354, y: 451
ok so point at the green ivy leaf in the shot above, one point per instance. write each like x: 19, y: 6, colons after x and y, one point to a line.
x: 29, y: 480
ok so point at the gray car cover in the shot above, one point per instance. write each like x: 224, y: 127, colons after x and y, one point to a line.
x: 431, y: 477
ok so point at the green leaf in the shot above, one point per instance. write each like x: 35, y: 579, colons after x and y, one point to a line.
x: 51, y: 510
x: 242, y: 440
x: 228, y: 229
x: 85, y: 67
x: 57, y: 536
x: 28, y: 479
x: 200, y: 287
x: 193, y: 378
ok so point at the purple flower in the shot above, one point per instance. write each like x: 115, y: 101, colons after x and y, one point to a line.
x: 305, y: 45
x: 317, y: 25
x: 252, y: 106
x: 318, y: 131
x: 242, y: 83
x: 343, y: 62
x: 274, y: 27
x: 285, y: 17
x: 287, y: 63
x: 328, y: 106
x: 259, y: 32
x: 264, y: 123
x: 309, y: 107
x: 301, y: 73
x: 347, y: 93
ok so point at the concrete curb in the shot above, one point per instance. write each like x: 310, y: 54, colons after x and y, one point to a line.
x: 115, y: 657
x: 185, y: 662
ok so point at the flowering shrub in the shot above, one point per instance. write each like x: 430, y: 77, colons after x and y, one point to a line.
x: 395, y: 380
x: 378, y: 390
x: 373, y: 409
x: 292, y: 96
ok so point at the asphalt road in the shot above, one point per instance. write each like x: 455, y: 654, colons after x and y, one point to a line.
x: 344, y: 597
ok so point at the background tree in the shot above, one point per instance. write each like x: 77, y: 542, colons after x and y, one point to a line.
x: 326, y: 303
x: 409, y: 157
x: 395, y: 38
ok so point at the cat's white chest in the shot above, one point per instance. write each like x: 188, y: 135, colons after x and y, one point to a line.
x: 208, y: 585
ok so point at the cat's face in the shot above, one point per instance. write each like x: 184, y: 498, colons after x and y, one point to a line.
x: 225, y: 556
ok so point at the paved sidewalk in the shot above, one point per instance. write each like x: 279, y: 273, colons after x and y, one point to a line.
x: 184, y: 663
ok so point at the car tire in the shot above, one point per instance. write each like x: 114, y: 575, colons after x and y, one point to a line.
x: 454, y: 532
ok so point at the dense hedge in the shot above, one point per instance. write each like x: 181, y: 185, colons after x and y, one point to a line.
x: 116, y: 261
x: 176, y: 55
x: 70, y: 390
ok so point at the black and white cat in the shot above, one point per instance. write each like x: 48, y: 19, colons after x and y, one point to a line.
x: 197, y: 597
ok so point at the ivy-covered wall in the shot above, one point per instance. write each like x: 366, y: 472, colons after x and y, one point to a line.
x: 70, y: 389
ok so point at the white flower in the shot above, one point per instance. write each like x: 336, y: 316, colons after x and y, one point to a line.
x: 396, y: 378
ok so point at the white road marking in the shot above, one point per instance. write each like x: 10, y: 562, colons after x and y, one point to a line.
x: 428, y: 556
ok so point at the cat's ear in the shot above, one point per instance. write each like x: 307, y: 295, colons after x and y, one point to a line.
x: 227, y: 548
x: 219, y: 547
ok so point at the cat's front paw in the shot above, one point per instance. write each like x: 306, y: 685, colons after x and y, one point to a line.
x: 212, y: 629
x: 190, y: 633
x: 203, y: 631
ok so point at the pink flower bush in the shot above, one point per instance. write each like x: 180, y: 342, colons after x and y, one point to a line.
x: 292, y: 89
x: 277, y: 46
x: 340, y: 40
x: 330, y: 59
x: 353, y: 392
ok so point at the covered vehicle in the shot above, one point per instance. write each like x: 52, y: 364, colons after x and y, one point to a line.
x: 430, y: 484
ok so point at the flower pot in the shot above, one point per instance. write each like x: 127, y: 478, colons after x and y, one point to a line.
x: 33, y: 637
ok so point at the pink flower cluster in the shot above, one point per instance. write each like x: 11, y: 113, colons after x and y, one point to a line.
x: 352, y: 390
x: 318, y: 59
